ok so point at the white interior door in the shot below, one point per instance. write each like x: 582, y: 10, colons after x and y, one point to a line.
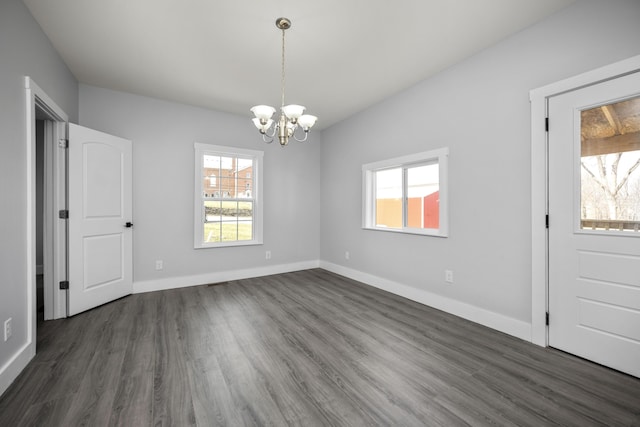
x: 100, y: 212
x: 594, y: 219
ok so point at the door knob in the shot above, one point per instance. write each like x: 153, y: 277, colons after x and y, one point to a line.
x: 129, y: 224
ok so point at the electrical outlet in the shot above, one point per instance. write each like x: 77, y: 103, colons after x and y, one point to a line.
x: 347, y: 255
x: 7, y: 329
x: 267, y: 255
x: 159, y: 264
x: 448, y: 276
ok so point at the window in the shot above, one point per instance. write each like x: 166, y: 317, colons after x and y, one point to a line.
x: 609, y: 168
x: 228, y: 208
x: 407, y: 194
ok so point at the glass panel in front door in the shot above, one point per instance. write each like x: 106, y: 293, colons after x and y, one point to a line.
x: 610, y: 167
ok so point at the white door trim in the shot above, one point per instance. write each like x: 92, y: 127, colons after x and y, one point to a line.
x: 36, y: 96
x: 539, y: 183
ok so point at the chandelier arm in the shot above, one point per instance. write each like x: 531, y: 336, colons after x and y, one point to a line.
x: 306, y: 135
x: 273, y: 132
x: 268, y: 141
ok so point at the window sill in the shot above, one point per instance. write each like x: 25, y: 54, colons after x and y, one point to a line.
x: 415, y: 231
x: 229, y: 244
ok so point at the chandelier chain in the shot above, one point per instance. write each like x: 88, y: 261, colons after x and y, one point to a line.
x: 283, y: 80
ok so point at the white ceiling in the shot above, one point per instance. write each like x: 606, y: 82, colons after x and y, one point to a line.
x: 342, y: 55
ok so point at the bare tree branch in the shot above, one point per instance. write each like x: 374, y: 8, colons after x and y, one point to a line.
x: 602, y: 167
x: 626, y: 176
x: 602, y: 185
x: 614, y: 174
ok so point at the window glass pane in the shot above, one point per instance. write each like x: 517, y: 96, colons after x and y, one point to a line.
x: 244, y: 188
x: 610, y: 167
x: 229, y: 210
x: 210, y: 162
x: 212, y: 211
x: 423, y: 196
x: 227, y: 186
x: 245, y: 211
x: 227, y: 176
x: 244, y: 166
x: 212, y: 217
x: 227, y: 163
x: 229, y: 231
x: 210, y: 171
x: 211, y: 232
x: 245, y: 230
x: 388, y: 198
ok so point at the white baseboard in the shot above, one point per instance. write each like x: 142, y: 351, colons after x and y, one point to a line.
x: 508, y: 325
x: 499, y: 322
x: 10, y: 371
x: 220, y: 276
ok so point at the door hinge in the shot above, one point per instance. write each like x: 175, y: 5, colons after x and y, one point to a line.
x: 64, y: 284
x: 63, y: 143
x: 63, y: 214
x: 546, y: 124
x: 546, y: 221
x: 546, y: 318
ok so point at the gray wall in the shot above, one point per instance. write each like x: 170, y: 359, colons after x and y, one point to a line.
x: 24, y: 50
x: 163, y: 134
x: 479, y: 109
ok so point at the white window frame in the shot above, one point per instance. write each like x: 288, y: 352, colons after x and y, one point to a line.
x: 439, y: 156
x: 198, y: 211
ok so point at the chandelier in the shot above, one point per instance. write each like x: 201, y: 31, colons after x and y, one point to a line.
x: 291, y: 116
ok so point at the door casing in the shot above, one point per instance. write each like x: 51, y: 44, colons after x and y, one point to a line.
x: 55, y: 241
x: 539, y: 184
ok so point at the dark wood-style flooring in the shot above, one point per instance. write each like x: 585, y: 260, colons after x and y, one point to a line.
x: 306, y: 348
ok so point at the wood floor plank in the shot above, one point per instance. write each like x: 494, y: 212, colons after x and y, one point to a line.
x: 133, y: 400
x: 212, y: 400
x: 93, y: 400
x: 308, y: 348
x: 172, y: 404
x: 51, y: 412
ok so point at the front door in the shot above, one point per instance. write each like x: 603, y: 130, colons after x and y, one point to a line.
x: 100, y: 212
x: 594, y: 223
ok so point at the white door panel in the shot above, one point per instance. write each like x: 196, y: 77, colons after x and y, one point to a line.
x: 100, y: 206
x: 594, y: 270
x: 103, y: 260
x: 103, y: 171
